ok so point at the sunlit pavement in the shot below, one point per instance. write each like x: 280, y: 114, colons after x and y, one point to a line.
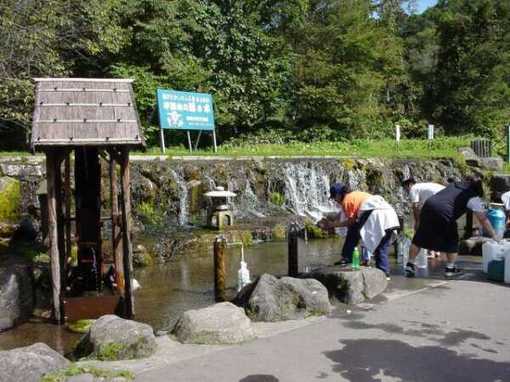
x: 423, y: 329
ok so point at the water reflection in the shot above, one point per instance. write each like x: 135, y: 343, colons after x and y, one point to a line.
x: 170, y: 289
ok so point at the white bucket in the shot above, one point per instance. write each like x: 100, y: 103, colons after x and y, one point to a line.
x: 492, y: 250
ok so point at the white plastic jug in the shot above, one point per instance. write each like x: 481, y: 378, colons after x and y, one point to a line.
x: 243, y: 275
x: 492, y: 250
x: 403, y: 245
x: 421, y: 259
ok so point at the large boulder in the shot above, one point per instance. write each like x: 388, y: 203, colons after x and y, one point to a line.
x: 30, y: 363
x: 114, y: 338
x: 16, y: 294
x: 348, y: 286
x: 222, y: 323
x: 492, y: 163
x: 273, y: 299
x: 469, y: 156
x: 10, y: 200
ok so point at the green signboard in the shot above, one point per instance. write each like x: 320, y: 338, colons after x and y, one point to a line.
x: 185, y: 111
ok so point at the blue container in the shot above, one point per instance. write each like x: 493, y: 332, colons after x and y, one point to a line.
x: 497, y: 218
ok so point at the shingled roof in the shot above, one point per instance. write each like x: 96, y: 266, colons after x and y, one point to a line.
x: 85, y: 112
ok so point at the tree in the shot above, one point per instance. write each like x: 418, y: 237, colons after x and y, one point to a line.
x: 471, y: 86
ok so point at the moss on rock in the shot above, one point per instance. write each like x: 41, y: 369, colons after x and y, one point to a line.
x: 279, y: 232
x: 74, y: 370
x: 277, y: 199
x: 314, y: 232
x: 10, y: 199
x: 80, y: 326
x: 111, y: 351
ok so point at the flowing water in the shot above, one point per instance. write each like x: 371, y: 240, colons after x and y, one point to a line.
x: 307, y: 191
x: 172, y: 288
x: 183, y: 198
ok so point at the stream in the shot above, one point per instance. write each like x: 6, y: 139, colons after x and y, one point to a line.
x: 187, y: 283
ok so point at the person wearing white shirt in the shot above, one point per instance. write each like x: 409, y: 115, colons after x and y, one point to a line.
x: 418, y: 195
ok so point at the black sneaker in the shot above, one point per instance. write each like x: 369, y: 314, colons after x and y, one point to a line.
x: 452, y: 272
x: 342, y: 262
x: 410, y: 270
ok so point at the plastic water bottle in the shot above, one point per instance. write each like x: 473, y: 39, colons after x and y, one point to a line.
x: 355, y: 259
x: 403, y: 244
x: 421, y: 260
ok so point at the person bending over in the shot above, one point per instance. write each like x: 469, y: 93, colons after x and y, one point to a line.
x: 350, y: 202
x: 437, y: 230
x: 418, y: 194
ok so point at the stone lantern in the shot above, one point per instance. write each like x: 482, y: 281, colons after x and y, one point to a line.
x: 221, y: 215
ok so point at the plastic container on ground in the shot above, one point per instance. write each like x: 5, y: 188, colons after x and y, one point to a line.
x: 403, y: 245
x: 366, y: 255
x: 497, y: 218
x: 421, y: 259
x: 492, y: 250
x: 507, y: 269
x: 496, y: 270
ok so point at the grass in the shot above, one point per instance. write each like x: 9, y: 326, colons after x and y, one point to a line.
x: 363, y: 148
x: 74, y: 370
x: 386, y: 148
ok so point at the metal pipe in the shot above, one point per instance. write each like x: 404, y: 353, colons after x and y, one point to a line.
x: 293, y: 254
x: 219, y: 268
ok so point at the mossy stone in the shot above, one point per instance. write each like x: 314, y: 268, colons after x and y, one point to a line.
x: 10, y: 200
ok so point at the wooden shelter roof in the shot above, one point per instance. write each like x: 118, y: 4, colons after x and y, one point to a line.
x: 85, y: 112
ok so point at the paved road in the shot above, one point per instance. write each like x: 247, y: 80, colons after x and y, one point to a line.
x: 458, y: 331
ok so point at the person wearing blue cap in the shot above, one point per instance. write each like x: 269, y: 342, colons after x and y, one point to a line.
x: 370, y: 219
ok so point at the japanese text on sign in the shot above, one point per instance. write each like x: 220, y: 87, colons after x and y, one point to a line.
x: 185, y: 111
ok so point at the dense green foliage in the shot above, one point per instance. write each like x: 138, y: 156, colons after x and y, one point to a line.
x: 314, y: 69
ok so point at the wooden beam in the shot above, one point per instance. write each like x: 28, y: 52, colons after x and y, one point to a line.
x: 117, y: 249
x: 126, y: 232
x: 67, y: 201
x: 58, y: 312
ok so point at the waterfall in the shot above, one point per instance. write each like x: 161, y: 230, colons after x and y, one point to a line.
x: 307, y: 191
x: 183, y: 198
x: 248, y: 204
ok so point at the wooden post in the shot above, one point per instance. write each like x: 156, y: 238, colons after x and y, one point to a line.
x: 67, y: 200
x: 162, y: 140
x: 219, y: 269
x: 59, y: 203
x: 189, y: 141
x: 293, y: 253
x: 126, y: 231
x: 214, y: 141
x: 58, y: 312
x: 117, y: 250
